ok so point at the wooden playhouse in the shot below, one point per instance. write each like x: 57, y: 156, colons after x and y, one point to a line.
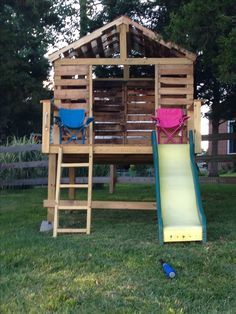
x: 120, y: 74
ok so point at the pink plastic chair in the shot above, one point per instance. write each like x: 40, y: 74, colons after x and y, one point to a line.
x: 170, y: 121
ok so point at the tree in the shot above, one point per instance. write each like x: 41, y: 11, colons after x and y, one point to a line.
x: 27, y: 28
x: 207, y: 27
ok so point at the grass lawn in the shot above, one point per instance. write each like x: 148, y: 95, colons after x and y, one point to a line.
x: 116, y: 268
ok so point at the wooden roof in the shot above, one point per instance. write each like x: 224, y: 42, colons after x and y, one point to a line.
x: 105, y: 43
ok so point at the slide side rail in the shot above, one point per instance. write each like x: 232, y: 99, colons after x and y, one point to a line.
x: 197, y: 186
x: 158, y: 192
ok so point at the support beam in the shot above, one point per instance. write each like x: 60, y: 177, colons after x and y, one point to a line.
x: 71, y: 181
x: 51, y: 184
x: 197, y: 125
x: 157, y: 87
x: 107, y: 204
x: 46, y: 125
x: 126, y: 61
x: 112, y: 183
x: 123, y: 29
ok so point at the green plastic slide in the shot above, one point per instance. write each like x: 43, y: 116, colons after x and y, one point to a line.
x: 179, y: 207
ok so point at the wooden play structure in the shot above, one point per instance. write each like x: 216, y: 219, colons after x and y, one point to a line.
x: 120, y: 74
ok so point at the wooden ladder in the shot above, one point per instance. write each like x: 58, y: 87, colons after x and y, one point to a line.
x: 69, y: 205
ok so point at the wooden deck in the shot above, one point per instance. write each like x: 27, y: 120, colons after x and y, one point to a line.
x: 106, y: 154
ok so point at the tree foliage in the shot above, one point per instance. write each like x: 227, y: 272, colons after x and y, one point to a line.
x: 207, y: 28
x: 27, y: 28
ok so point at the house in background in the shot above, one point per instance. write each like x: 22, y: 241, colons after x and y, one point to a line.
x: 225, y: 147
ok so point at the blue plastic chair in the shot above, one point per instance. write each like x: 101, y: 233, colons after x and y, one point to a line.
x: 73, y: 122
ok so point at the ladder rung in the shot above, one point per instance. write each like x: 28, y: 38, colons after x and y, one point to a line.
x: 73, y: 207
x: 72, y: 230
x: 76, y: 165
x: 74, y: 186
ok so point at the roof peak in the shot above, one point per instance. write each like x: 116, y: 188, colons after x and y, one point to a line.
x: 104, y: 42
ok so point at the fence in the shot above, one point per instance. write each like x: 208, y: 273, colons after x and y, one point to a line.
x: 111, y: 180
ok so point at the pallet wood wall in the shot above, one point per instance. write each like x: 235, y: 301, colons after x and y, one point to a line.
x: 140, y: 107
x: 174, y: 88
x: 71, y: 86
x: 109, y: 112
x: 175, y: 85
x: 122, y: 112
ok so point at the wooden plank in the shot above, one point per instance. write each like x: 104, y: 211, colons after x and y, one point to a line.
x: 140, y: 126
x: 126, y: 61
x: 108, y: 133
x: 178, y: 65
x: 108, y: 204
x: 139, y: 117
x: 101, y: 149
x: 140, y: 98
x: 70, y: 94
x: 72, y: 191
x: 123, y: 29
x: 90, y: 188
x: 107, y: 108
x: 218, y: 158
x: 137, y: 141
x: 90, y: 89
x: 51, y: 184
x: 141, y: 109
x: 74, y: 105
x: 108, y: 127
x: 176, y: 91
x: 111, y: 140
x: 107, y: 117
x: 70, y: 82
x: 77, y: 165
x: 24, y: 182
x: 79, y: 186
x: 71, y: 230
x: 46, y: 117
x: 67, y: 69
x: 24, y: 164
x: 121, y: 79
x: 20, y: 148
x: 217, y: 180
x: 219, y: 137
x: 157, y: 86
x: 176, y: 71
x: 175, y: 101
x: 197, y: 126
x: 176, y: 80
x: 112, y: 179
x: 143, y: 133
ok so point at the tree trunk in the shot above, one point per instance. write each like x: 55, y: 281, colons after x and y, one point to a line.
x: 213, y: 165
x: 83, y: 18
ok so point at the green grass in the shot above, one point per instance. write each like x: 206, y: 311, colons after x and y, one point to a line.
x: 116, y: 268
x: 229, y: 174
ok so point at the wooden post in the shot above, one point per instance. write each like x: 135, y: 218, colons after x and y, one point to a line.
x: 156, y: 87
x: 46, y: 125
x: 51, y: 184
x: 197, y: 126
x: 72, y: 181
x: 112, y: 179
x: 123, y: 29
x: 90, y: 86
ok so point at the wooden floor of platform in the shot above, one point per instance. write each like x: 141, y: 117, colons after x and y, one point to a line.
x: 117, y: 154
